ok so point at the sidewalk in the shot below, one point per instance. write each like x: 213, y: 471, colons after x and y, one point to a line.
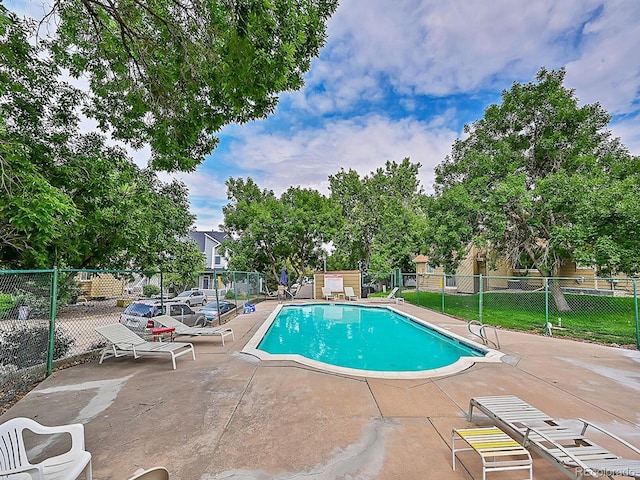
x: 228, y: 415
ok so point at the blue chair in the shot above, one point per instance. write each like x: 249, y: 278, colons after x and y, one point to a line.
x: 248, y: 308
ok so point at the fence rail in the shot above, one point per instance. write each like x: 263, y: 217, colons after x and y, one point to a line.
x: 48, y: 317
x: 603, y: 310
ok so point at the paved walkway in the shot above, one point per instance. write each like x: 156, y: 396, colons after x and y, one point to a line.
x: 230, y: 416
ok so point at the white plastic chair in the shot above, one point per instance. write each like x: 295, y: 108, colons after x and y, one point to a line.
x: 15, y: 464
x: 349, y: 294
x: 155, y: 473
x: 326, y: 293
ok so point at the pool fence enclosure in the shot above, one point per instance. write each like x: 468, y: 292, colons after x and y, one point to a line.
x: 603, y: 310
x: 48, y: 317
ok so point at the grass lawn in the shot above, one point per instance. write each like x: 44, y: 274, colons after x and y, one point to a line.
x: 609, y: 320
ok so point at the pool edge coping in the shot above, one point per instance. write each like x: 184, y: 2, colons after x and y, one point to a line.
x: 463, y: 363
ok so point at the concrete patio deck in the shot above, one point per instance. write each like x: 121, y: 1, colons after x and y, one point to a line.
x: 228, y: 415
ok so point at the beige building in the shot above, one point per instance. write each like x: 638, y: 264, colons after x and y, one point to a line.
x: 100, y: 285
x: 574, y: 278
x: 337, y: 281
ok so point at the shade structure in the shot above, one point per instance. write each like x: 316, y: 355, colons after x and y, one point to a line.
x: 283, y: 276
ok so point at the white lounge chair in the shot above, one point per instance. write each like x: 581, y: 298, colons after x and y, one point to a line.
x: 125, y: 342
x: 15, y: 464
x: 392, y: 297
x: 184, y: 330
x: 349, y: 294
x: 326, y: 293
x: 563, y: 446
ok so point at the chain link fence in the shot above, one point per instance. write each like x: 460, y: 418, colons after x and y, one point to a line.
x: 603, y: 310
x: 25, y: 311
x: 375, y: 282
x: 48, y: 317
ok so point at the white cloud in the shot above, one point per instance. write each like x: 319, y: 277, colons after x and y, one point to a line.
x: 628, y: 130
x: 308, y: 157
x: 608, y: 69
x: 207, y: 194
x: 441, y: 48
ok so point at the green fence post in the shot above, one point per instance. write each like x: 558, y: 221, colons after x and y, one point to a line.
x: 480, y: 301
x: 161, y: 293
x: 546, y: 305
x: 52, y: 321
x: 635, y: 306
x: 235, y: 290
x: 443, y: 280
x: 215, y: 282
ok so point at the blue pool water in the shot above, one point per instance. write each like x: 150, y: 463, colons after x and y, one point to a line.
x: 360, y: 337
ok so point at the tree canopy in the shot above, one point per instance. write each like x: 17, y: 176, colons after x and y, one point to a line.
x: 267, y: 233
x: 69, y: 199
x: 171, y: 73
x: 539, y: 177
x: 379, y: 217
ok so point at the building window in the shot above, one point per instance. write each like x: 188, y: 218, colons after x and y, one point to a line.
x: 86, y: 276
x: 217, y: 260
x: 450, y: 281
x: 430, y: 269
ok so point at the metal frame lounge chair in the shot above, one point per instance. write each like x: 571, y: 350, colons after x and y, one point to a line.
x: 392, y: 297
x: 326, y: 293
x: 183, y: 330
x: 15, y: 464
x: 563, y: 446
x: 125, y: 342
x: 498, y: 451
x: 349, y: 294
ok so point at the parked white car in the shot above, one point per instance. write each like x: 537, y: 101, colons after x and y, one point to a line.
x: 138, y: 316
x: 191, y: 298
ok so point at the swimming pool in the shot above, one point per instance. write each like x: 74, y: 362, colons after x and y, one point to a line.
x: 373, y: 341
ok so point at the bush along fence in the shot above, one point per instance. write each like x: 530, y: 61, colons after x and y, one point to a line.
x: 603, y: 310
x: 48, y: 317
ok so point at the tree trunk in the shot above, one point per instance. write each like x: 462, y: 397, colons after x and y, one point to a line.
x: 554, y: 287
x: 558, y: 296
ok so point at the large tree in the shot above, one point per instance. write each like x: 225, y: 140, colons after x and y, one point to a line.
x: 69, y: 199
x: 171, y: 73
x: 526, y: 180
x: 267, y: 232
x: 379, y: 217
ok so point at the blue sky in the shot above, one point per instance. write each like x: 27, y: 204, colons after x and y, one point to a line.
x: 400, y: 78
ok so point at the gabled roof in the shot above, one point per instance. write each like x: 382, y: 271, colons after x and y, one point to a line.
x: 421, y: 259
x: 200, y: 236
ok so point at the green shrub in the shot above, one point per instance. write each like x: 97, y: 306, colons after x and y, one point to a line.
x: 7, y: 304
x: 68, y: 293
x: 230, y: 294
x: 27, y: 346
x: 150, y: 290
x: 39, y: 304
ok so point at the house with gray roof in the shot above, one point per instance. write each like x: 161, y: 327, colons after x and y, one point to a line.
x: 210, y: 243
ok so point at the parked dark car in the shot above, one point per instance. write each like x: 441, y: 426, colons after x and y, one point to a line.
x: 138, y: 316
x: 211, y: 310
